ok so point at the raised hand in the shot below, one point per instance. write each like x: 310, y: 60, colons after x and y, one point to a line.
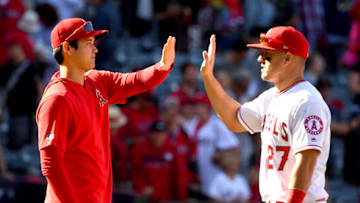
x: 168, y: 54
x: 207, y: 65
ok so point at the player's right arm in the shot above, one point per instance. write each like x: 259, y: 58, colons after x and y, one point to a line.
x: 225, y: 107
x: 53, y: 119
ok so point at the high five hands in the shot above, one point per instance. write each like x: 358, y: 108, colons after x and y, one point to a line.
x: 207, y: 65
x: 168, y: 54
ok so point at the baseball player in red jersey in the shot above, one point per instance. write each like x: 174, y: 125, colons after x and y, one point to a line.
x: 72, y: 117
x: 292, y: 117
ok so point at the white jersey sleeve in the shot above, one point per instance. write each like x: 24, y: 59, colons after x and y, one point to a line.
x: 311, y: 125
x: 250, y: 113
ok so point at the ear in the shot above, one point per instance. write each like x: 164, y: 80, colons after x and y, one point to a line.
x: 67, y: 49
x: 288, y: 58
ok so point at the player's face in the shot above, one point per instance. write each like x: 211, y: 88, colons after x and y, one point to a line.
x: 271, y: 65
x: 86, y: 53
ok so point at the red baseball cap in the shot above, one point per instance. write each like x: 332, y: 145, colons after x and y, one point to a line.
x: 74, y: 28
x: 283, y: 38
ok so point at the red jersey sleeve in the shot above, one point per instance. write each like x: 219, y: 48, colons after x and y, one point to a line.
x: 53, y: 119
x: 120, y: 86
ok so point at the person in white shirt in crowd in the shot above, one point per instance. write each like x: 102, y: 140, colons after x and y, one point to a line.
x: 229, y: 185
x: 211, y: 135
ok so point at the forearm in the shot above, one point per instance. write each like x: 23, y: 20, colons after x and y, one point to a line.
x: 303, y: 169
x: 301, y: 177
x: 225, y: 107
x: 144, y: 80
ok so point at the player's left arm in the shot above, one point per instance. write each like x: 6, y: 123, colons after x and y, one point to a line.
x: 311, y: 129
x: 301, y: 174
x: 124, y: 85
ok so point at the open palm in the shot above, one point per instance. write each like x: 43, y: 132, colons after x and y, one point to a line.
x: 207, y: 65
x: 168, y: 54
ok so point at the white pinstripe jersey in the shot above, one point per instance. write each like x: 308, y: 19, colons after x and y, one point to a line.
x: 290, y: 121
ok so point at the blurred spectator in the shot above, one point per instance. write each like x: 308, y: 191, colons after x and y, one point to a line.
x: 285, y: 13
x: 48, y: 18
x: 337, y: 22
x: 105, y: 16
x: 225, y: 18
x: 157, y: 170
x: 210, y: 134
x: 229, y: 185
x: 340, y: 127
x: 138, y: 16
x: 66, y: 8
x: 186, y: 148
x: 241, y: 76
x: 119, y: 151
x: 225, y: 79
x: 352, y: 140
x: 167, y: 14
x: 141, y: 113
x: 315, y: 67
x: 29, y: 22
x: 21, y: 38
x: 10, y: 14
x: 187, y: 89
x: 22, y: 87
x: 254, y: 169
x: 311, y: 21
x: 258, y: 13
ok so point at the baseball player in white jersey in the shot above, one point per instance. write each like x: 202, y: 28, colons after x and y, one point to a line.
x: 292, y: 117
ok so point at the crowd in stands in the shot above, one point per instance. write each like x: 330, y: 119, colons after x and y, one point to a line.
x: 167, y: 144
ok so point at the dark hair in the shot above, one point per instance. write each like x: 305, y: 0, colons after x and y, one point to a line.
x: 57, y: 52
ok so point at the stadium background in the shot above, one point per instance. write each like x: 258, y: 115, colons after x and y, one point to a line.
x: 138, y: 28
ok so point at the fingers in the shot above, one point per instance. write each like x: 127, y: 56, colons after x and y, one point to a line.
x: 212, y: 47
x: 205, y: 56
x: 170, y: 42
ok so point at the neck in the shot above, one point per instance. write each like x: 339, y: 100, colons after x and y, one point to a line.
x: 230, y: 174
x: 72, y: 73
x: 290, y: 78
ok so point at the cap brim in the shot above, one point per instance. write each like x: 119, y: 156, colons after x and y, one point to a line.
x: 260, y: 46
x: 98, y: 34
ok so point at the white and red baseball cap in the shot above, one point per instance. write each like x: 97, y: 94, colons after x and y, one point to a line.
x: 74, y: 28
x: 283, y: 38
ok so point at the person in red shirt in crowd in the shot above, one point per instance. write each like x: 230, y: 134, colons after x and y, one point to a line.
x: 119, y: 150
x: 73, y: 116
x: 141, y: 113
x: 10, y: 13
x: 186, y: 147
x: 187, y: 89
x: 157, y: 169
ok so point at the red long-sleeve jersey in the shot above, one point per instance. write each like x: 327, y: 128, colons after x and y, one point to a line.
x: 74, y: 133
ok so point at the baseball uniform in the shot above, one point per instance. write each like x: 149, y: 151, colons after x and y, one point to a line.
x: 289, y: 121
x: 74, y: 133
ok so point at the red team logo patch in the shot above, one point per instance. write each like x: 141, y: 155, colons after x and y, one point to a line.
x: 314, y: 125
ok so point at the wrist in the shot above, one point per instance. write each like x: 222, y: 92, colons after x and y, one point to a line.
x: 295, y: 196
x: 164, y: 67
